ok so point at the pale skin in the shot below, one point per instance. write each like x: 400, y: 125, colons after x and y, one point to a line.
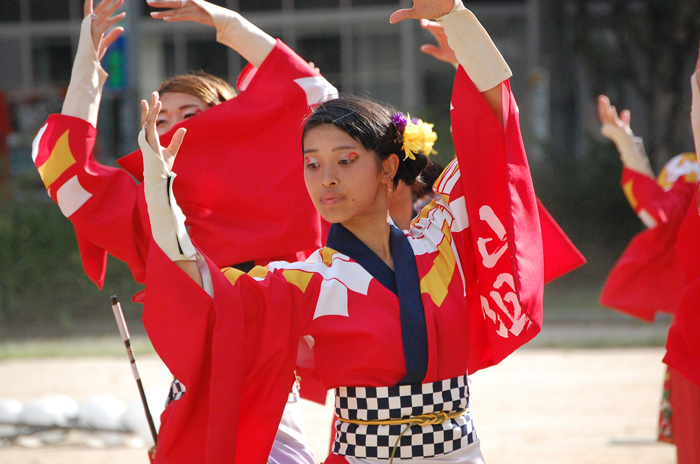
x: 345, y: 182
x: 608, y: 114
x: 103, y: 21
x: 442, y: 50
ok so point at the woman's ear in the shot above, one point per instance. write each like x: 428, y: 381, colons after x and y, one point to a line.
x: 389, y: 168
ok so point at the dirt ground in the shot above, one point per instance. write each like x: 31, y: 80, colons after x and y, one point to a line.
x: 543, y: 406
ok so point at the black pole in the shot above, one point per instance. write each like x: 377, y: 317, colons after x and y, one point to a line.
x: 124, y: 331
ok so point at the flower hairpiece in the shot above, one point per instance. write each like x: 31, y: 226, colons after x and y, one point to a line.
x: 418, y: 136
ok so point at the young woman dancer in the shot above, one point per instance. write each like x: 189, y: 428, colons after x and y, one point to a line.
x: 396, y: 319
x: 683, y: 343
x: 108, y: 209
x: 648, y: 277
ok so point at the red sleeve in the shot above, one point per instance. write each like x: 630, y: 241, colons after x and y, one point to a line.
x: 645, y: 194
x: 235, y: 354
x: 503, y: 241
x: 648, y: 276
x: 683, y: 343
x: 240, y: 175
x: 104, y: 204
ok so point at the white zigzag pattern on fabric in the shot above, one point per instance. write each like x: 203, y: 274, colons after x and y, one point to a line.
x: 340, y: 276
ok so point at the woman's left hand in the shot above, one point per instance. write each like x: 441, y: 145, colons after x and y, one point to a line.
x: 149, y: 115
x: 424, y: 9
x: 442, y: 51
x: 181, y: 10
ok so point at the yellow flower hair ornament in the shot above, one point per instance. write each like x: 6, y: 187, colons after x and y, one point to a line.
x: 418, y: 136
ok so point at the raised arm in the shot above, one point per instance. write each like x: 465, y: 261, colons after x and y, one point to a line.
x: 167, y: 220
x: 232, y: 29
x: 617, y: 128
x: 473, y: 47
x: 695, y: 105
x: 87, y: 78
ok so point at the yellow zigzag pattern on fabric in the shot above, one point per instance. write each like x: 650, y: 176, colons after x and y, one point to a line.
x: 436, y: 281
x: 628, y: 188
x: 232, y: 274
x: 60, y: 159
x: 298, y: 278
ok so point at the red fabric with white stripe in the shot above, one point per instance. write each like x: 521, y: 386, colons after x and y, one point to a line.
x: 648, y: 277
x: 214, y: 187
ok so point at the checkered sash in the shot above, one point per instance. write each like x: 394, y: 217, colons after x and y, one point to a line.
x: 401, y: 402
x: 177, y: 391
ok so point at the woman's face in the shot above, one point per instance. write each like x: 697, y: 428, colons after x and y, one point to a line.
x: 176, y: 107
x: 343, y: 178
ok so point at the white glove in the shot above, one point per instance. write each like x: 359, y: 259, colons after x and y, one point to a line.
x: 87, y: 78
x: 474, y: 49
x: 167, y: 221
x: 631, y: 148
x: 695, y: 111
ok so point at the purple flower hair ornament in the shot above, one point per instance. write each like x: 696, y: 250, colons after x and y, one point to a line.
x: 400, y: 120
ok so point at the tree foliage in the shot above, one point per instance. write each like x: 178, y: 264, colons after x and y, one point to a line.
x: 643, y: 50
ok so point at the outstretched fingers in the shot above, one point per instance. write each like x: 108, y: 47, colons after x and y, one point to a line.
x: 176, y: 142
x: 442, y: 51
x: 102, y: 21
x: 151, y: 115
x: 87, y: 8
x: 424, y: 9
x: 180, y: 10
x: 109, y: 40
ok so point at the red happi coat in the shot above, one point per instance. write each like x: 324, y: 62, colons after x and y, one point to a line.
x: 479, y: 257
x: 683, y: 343
x: 648, y: 276
x: 223, y: 145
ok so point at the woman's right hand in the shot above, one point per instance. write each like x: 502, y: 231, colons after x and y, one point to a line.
x: 149, y: 115
x: 102, y: 21
x: 608, y: 114
x: 442, y: 51
x: 181, y: 10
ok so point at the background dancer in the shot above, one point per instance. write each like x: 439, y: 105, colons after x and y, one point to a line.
x: 683, y: 343
x: 451, y: 295
x: 648, y: 277
x: 107, y: 208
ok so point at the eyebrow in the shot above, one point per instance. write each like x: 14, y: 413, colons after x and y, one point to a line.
x: 342, y: 147
x: 183, y: 107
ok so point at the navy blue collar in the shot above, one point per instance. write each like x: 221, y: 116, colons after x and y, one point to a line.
x: 405, y: 283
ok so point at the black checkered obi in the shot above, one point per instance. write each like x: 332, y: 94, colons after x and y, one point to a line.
x: 402, y: 402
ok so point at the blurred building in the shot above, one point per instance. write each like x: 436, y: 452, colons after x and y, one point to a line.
x: 351, y: 42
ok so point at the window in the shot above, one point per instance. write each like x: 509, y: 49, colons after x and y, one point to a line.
x: 11, y: 59
x: 309, y: 4
x: 324, y: 52
x: 207, y: 55
x: 374, y: 2
x: 48, y: 10
x: 10, y: 11
x: 52, y: 59
x: 259, y: 5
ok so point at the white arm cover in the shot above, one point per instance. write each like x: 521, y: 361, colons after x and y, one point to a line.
x: 475, y: 50
x: 631, y: 148
x: 86, y: 81
x: 695, y: 111
x: 236, y: 32
x: 167, y: 220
